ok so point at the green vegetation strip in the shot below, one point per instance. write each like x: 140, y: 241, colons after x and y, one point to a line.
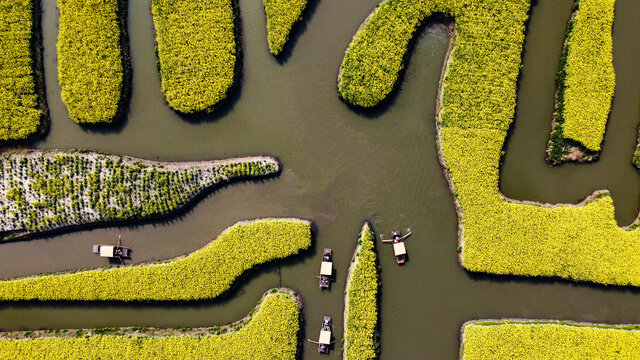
x: 475, y: 109
x: 485, y: 340
x: 21, y: 110
x: 281, y: 16
x: 269, y: 332
x: 204, y: 274
x: 198, y: 51
x: 361, y: 300
x: 91, y: 66
x: 586, y: 83
x: 53, y: 190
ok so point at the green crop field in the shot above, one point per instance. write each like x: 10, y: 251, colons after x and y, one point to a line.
x: 91, y: 67
x: 476, y: 107
x: 271, y: 332
x: 361, y: 301
x: 204, y: 274
x: 21, y: 111
x: 198, y: 52
x: 281, y: 16
x: 511, y: 340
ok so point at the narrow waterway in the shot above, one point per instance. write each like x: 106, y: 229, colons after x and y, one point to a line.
x: 340, y: 168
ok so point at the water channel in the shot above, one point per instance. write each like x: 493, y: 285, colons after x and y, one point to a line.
x: 342, y: 167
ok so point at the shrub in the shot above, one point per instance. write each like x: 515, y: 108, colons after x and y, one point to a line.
x: 204, y: 274
x: 361, y: 300
x: 21, y: 111
x: 476, y: 106
x: 270, y: 334
x: 198, y: 52
x: 90, y: 58
x: 281, y: 16
x: 586, y: 82
x: 61, y: 189
x: 547, y: 340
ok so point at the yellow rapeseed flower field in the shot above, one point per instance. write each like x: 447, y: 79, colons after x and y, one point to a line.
x: 90, y: 62
x: 204, y: 274
x: 271, y: 333
x: 361, y: 297
x: 281, y: 16
x: 540, y: 340
x: 476, y: 107
x: 20, y: 111
x: 197, y: 50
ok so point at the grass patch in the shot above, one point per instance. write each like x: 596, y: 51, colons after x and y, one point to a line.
x: 586, y: 83
x: 271, y: 333
x: 281, y: 16
x: 361, y: 301
x: 547, y: 340
x: 198, y: 52
x: 91, y: 66
x: 475, y: 109
x: 52, y: 190
x: 21, y: 109
x: 204, y: 274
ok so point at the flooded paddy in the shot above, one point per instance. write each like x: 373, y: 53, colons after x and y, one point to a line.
x: 340, y: 168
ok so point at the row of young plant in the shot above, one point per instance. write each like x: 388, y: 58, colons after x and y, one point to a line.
x: 203, y: 274
x: 21, y: 109
x: 92, y: 68
x: 586, y: 83
x: 361, y: 300
x: 516, y: 339
x: 282, y: 15
x: 270, y: 333
x: 475, y: 109
x: 42, y: 191
x: 198, y: 52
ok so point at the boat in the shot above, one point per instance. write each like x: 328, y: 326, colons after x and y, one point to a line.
x: 324, y: 340
x: 111, y: 251
x: 399, y: 250
x: 326, y: 269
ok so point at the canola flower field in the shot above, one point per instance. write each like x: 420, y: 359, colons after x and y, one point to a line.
x: 49, y: 190
x: 361, y: 301
x: 512, y: 340
x: 476, y: 107
x: 21, y: 111
x: 282, y: 15
x: 91, y: 68
x: 203, y: 274
x: 198, y: 52
x: 270, y: 333
x: 586, y: 81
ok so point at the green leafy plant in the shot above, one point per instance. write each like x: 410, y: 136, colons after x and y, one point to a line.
x: 204, y: 274
x: 281, y: 17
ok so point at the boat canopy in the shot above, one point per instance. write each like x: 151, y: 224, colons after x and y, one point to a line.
x: 399, y: 249
x: 107, y: 251
x: 326, y: 268
x: 325, y: 337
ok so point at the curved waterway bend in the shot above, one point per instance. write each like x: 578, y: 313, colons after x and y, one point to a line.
x: 340, y: 168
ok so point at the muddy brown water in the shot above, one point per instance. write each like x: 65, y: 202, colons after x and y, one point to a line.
x: 340, y: 168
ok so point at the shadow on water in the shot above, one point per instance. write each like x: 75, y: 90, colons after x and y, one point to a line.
x: 298, y: 29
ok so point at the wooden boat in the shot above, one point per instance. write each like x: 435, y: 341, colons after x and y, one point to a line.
x: 324, y: 340
x: 326, y: 269
x: 111, y: 251
x: 399, y: 250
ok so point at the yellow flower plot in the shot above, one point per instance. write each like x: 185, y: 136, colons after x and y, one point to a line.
x: 198, y: 52
x: 91, y: 67
x: 513, y: 340
x: 21, y: 111
x: 281, y: 16
x: 475, y: 109
x: 271, y: 332
x: 361, y: 300
x: 204, y: 274
x: 586, y: 81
